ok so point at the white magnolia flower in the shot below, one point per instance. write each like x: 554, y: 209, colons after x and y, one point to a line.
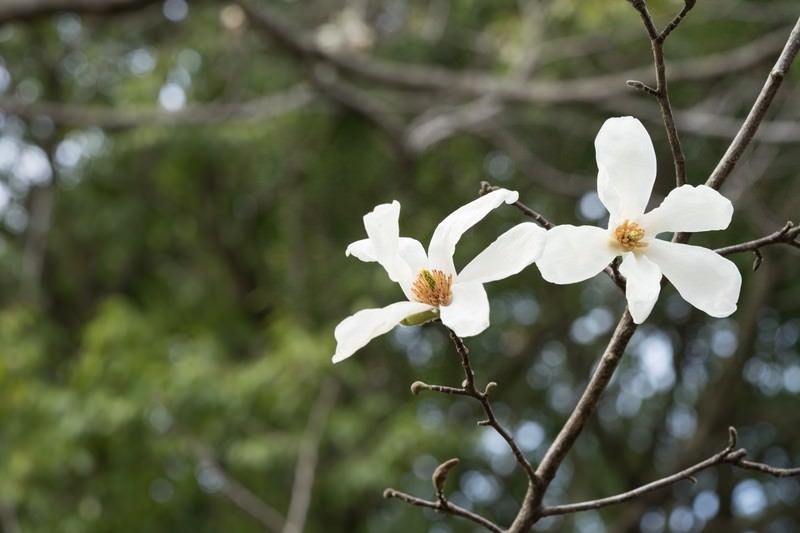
x: 626, y: 162
x: 429, y: 281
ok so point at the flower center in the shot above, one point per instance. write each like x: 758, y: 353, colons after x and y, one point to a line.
x: 629, y: 235
x: 433, y: 287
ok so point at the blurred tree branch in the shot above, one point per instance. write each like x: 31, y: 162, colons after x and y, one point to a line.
x: 72, y: 114
x: 23, y: 10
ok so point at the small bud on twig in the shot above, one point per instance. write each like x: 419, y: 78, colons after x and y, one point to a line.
x: 418, y: 386
x: 489, y: 388
x: 439, y: 476
x: 732, y: 437
x: 757, y: 261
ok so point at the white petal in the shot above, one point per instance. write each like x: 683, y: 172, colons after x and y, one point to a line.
x: 363, y: 250
x: 447, y: 234
x: 411, y: 251
x: 575, y: 253
x: 703, y: 278
x: 509, y: 254
x: 355, y: 331
x: 643, y: 284
x: 468, y: 313
x: 626, y: 163
x: 384, y: 232
x: 689, y: 208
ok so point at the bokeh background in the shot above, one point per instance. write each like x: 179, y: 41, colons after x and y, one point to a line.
x: 178, y: 183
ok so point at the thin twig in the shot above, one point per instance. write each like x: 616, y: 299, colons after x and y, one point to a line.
x: 726, y: 455
x: 786, y: 235
x: 758, y: 111
x: 443, y: 506
x: 306, y: 465
x: 237, y: 493
x: 771, y: 470
x: 537, y: 217
x: 660, y: 91
x: 483, y: 398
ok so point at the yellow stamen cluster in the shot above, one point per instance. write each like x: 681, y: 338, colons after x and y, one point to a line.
x: 629, y: 235
x: 433, y: 287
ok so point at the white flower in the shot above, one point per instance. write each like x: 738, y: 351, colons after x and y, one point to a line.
x: 429, y: 281
x: 626, y: 162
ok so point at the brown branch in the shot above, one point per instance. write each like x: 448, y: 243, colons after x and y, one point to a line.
x: 537, y: 217
x: 786, y: 235
x: 758, y: 111
x: 440, y: 474
x: 557, y: 452
x: 660, y: 91
x: 212, y: 113
x: 724, y: 456
x: 771, y: 470
x: 23, y: 10
x: 443, y: 506
x: 483, y: 398
x: 418, y: 77
x: 307, y: 456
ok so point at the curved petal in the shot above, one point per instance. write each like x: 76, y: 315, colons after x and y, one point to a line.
x: 575, y: 253
x: 384, y: 232
x: 626, y: 163
x: 509, y: 254
x: 689, y: 208
x: 450, y: 230
x: 362, y: 250
x: 411, y: 251
x: 703, y: 278
x: 643, y: 284
x: 468, y: 313
x: 355, y: 331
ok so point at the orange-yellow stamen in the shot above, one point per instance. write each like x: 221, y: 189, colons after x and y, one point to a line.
x: 433, y: 287
x: 629, y: 235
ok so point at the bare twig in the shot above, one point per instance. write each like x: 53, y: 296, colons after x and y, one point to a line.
x: 467, y: 389
x: 238, y: 494
x: 537, y: 217
x: 306, y: 465
x: 786, y: 235
x: 726, y: 455
x: 483, y: 398
x: 758, y: 111
x: 771, y: 470
x: 660, y: 91
x: 21, y: 10
x: 443, y: 506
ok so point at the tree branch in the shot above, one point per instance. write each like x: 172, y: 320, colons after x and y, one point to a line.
x: 726, y: 455
x: 786, y: 235
x: 117, y: 119
x: 562, y: 444
x: 307, y: 455
x: 23, y: 10
x: 417, y: 77
x: 661, y: 92
x: 443, y: 506
x: 758, y: 111
x: 238, y: 494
